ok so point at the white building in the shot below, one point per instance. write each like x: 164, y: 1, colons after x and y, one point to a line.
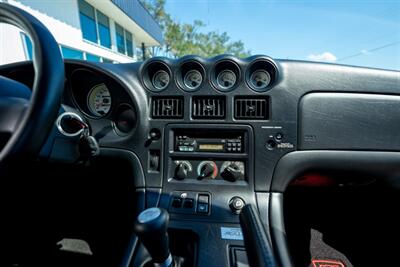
x: 96, y: 30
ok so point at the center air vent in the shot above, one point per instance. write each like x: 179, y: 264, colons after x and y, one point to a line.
x: 208, y: 107
x: 167, y: 107
x: 251, y: 108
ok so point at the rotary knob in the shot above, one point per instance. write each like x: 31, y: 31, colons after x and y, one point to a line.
x: 232, y: 171
x: 182, y: 169
x: 207, y: 169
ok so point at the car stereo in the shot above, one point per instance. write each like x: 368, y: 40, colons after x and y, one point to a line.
x: 193, y: 143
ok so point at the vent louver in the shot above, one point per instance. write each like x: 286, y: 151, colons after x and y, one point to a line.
x: 251, y: 108
x: 167, y: 107
x: 208, y: 107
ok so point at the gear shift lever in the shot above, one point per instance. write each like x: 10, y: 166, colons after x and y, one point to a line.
x: 151, y: 227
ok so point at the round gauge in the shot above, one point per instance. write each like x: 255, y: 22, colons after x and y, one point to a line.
x: 193, y: 79
x: 160, y: 80
x: 226, y: 79
x: 260, y: 79
x: 99, y: 100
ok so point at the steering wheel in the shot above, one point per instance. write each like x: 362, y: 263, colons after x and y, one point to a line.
x: 26, y: 117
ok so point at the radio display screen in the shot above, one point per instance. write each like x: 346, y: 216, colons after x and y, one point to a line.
x: 214, y: 147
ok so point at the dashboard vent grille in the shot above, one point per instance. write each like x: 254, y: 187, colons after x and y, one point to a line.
x: 251, y: 108
x: 167, y: 107
x: 208, y: 107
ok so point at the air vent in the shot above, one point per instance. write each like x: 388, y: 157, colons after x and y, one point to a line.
x: 167, y: 107
x: 251, y: 108
x: 208, y: 107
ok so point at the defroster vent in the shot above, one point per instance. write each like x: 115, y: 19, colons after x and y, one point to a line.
x: 251, y: 108
x: 167, y: 107
x: 208, y: 107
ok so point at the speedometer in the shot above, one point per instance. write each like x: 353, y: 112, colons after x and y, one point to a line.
x: 99, y: 100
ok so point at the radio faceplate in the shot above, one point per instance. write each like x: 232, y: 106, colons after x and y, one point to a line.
x: 191, y: 143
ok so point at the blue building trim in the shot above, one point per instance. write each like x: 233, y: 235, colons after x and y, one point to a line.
x: 135, y: 10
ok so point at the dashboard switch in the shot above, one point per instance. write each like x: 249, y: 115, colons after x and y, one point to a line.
x: 177, y: 202
x: 188, y: 203
x: 202, y: 208
x: 204, y: 199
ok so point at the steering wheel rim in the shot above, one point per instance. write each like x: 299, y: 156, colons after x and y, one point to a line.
x: 38, y: 117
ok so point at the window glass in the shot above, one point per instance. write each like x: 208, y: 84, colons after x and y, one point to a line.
x: 120, y: 38
x: 28, y: 46
x: 129, y: 44
x: 71, y: 53
x: 88, y: 22
x: 106, y: 60
x: 104, y: 29
x: 91, y: 57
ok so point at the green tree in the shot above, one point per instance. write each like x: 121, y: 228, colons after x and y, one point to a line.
x: 188, y: 39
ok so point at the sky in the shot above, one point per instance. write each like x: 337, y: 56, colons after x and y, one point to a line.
x: 353, y: 32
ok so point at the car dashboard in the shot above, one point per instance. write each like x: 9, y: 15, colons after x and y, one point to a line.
x: 206, y: 136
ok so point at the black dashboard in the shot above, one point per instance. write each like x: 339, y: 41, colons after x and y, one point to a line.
x: 206, y: 136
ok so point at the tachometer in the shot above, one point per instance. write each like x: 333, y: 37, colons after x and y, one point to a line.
x: 99, y: 100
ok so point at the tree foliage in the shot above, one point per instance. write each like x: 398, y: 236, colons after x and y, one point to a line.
x: 190, y: 39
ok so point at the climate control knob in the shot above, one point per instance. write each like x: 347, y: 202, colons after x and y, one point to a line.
x: 182, y: 169
x: 207, y: 169
x: 232, y: 170
x: 180, y: 172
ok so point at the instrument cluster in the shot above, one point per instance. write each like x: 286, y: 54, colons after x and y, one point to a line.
x: 224, y: 74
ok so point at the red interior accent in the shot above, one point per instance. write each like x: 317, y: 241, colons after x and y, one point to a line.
x: 314, y: 179
x: 327, y: 263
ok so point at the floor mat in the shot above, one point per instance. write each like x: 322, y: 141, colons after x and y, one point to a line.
x: 323, y: 255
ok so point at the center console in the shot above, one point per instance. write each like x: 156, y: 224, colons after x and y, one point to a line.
x: 208, y: 178
x: 207, y: 167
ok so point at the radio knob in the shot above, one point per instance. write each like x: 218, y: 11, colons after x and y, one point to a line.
x: 181, y: 171
x: 207, y: 170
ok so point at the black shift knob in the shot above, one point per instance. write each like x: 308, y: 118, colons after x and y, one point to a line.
x: 151, y: 227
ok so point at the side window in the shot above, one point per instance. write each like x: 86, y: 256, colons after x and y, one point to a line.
x: 120, y: 38
x: 129, y: 44
x: 28, y: 47
x: 91, y: 57
x: 71, y: 53
x: 103, y: 25
x: 88, y: 21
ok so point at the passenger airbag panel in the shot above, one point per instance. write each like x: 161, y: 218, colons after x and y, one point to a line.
x: 349, y: 121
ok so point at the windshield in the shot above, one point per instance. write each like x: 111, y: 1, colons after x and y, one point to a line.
x: 362, y: 33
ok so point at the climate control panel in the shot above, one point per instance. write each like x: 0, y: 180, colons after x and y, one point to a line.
x: 198, y: 169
